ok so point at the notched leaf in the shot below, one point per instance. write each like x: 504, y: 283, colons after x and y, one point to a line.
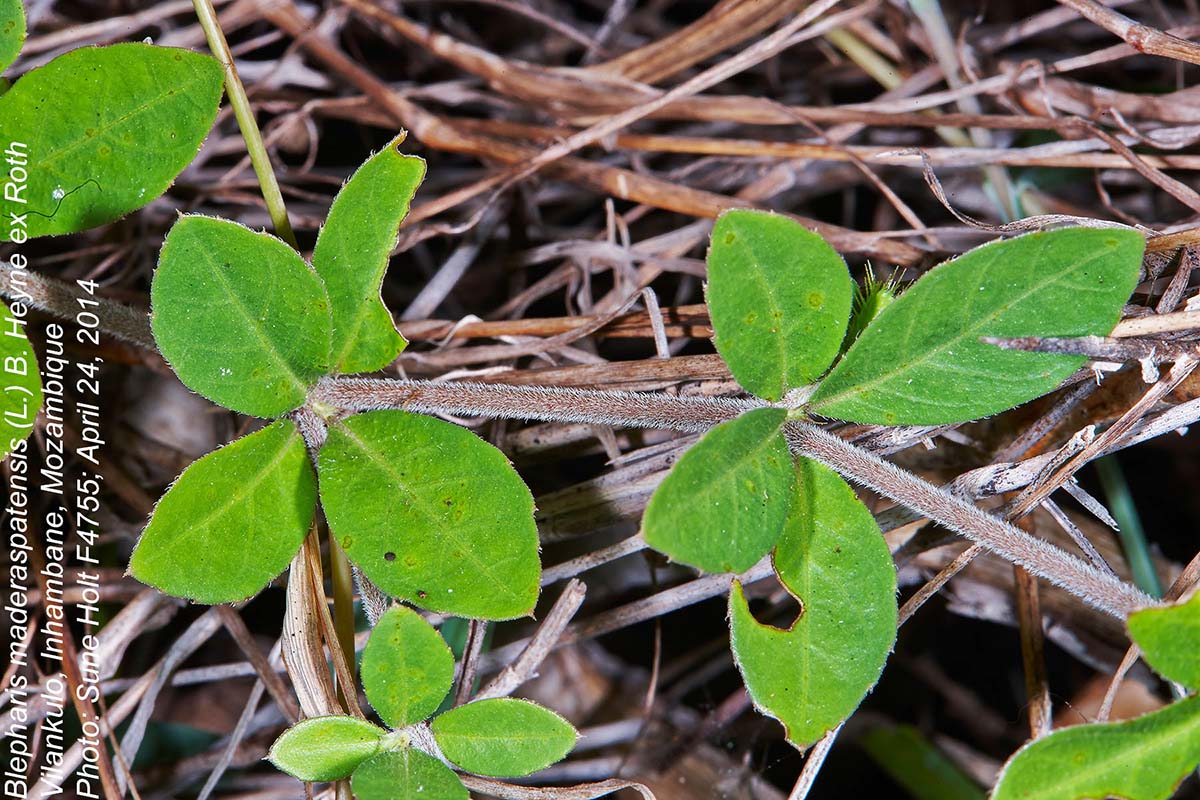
x: 832, y: 558
x: 352, y: 254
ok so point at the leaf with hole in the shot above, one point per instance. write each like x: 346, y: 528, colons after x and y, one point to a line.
x: 921, y: 362
x: 722, y: 507
x: 406, y: 774
x: 106, y: 130
x: 12, y: 31
x: 432, y: 514
x: 407, y: 668
x: 352, y: 253
x: 232, y: 521
x: 1170, y: 640
x: 239, y: 316
x: 832, y: 558
x: 21, y: 397
x: 503, y: 737
x: 1138, y: 759
x: 779, y: 297
x: 325, y: 748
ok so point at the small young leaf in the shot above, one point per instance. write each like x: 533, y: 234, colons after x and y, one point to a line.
x: 1170, y: 640
x: 1139, y: 759
x: 352, y: 254
x: 406, y: 668
x: 721, y: 508
x: 232, y: 521
x: 406, y: 774
x: 325, y: 748
x: 239, y: 316
x: 12, y: 31
x: 779, y: 296
x: 21, y: 396
x: 432, y: 514
x: 922, y: 362
x: 106, y: 130
x: 832, y: 558
x: 503, y: 737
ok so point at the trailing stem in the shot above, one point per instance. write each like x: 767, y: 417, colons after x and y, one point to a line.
x: 630, y: 409
x: 343, y: 588
x: 207, y: 15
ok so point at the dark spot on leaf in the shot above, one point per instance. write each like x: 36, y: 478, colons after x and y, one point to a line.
x: 346, y: 540
x: 730, y: 238
x: 751, y: 317
x: 422, y: 595
x: 890, y: 418
x: 179, y: 57
x: 448, y: 502
x: 389, y: 556
x: 816, y: 299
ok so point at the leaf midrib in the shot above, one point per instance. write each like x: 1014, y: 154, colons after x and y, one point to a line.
x: 1129, y: 754
x: 56, y: 155
x: 380, y: 460
x: 885, y: 377
x: 269, y: 346
x: 245, y: 489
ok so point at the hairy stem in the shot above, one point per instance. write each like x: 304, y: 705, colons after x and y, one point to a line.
x: 626, y: 409
x: 246, y: 122
x: 631, y: 409
x: 1100, y: 589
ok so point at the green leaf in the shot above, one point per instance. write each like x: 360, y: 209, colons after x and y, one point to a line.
x: 406, y: 668
x: 779, y: 296
x: 832, y: 559
x: 406, y: 774
x: 232, y: 521
x: 20, y: 385
x: 922, y: 362
x: 503, y: 737
x: 12, y: 31
x: 432, y: 514
x: 352, y: 254
x: 1138, y: 759
x: 239, y: 315
x: 722, y: 507
x: 105, y: 130
x: 914, y: 763
x: 325, y: 748
x: 1170, y: 640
